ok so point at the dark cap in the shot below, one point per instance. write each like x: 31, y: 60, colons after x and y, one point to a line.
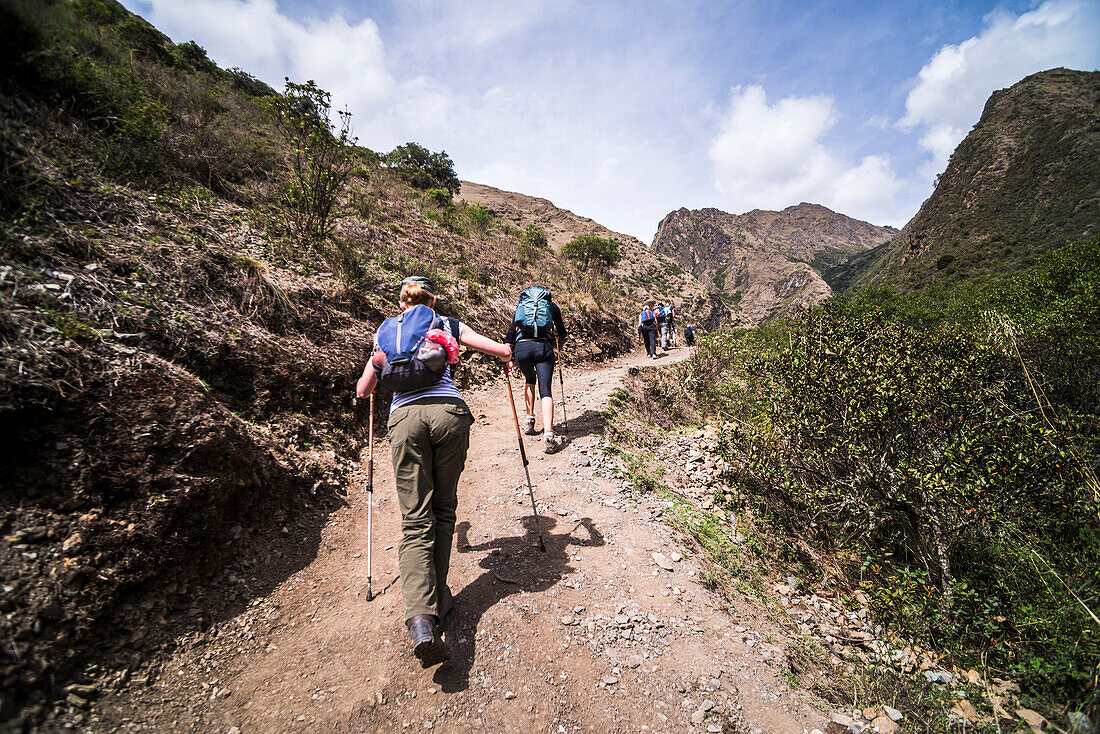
x: 420, y: 281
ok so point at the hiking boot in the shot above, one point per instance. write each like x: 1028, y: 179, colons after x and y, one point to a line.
x: 427, y: 646
x: 530, y: 426
x: 552, y: 444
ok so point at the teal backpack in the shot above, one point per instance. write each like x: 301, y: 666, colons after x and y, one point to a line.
x: 533, y: 313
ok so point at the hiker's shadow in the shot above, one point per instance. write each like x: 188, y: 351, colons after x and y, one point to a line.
x: 588, y: 423
x: 512, y: 565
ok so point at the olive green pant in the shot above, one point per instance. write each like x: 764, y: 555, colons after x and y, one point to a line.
x: 428, y: 440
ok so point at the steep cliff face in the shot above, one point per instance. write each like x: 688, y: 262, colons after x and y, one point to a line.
x: 642, y: 274
x: 765, y: 263
x: 1024, y: 181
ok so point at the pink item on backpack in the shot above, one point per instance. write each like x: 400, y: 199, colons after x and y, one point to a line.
x: 445, y: 340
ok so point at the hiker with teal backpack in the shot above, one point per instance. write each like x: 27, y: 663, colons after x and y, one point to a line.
x: 535, y: 328
x: 429, y: 431
x: 647, y: 329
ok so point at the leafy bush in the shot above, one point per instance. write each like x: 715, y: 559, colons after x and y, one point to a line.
x: 321, y: 162
x: 534, y: 236
x: 947, y: 441
x: 249, y: 84
x: 481, y: 219
x: 190, y: 56
x: 422, y: 169
x: 591, y: 252
x: 449, y: 219
x: 439, y: 197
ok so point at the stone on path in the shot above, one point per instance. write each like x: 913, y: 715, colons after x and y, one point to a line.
x: 661, y: 560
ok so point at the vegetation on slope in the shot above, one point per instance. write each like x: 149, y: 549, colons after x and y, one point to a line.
x: 937, y: 451
x: 192, y: 267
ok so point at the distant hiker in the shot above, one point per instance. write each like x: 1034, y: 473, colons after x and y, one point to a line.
x: 429, y: 430
x: 689, y: 336
x: 662, y: 324
x: 647, y: 328
x: 671, y: 327
x: 536, y: 326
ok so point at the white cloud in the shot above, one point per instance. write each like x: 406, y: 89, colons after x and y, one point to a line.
x: 345, y: 58
x: 773, y: 156
x: 952, y: 88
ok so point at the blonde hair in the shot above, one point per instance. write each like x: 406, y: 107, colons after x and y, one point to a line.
x: 416, y: 295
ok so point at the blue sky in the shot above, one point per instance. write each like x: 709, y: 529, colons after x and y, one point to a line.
x: 625, y: 111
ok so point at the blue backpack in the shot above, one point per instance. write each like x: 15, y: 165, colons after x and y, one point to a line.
x: 413, y: 362
x: 533, y: 313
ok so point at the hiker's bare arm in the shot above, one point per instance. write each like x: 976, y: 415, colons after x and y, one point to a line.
x: 367, y: 382
x: 473, y: 340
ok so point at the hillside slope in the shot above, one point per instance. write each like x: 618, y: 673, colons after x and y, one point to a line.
x: 765, y: 262
x: 642, y: 274
x: 175, y: 367
x: 1024, y: 181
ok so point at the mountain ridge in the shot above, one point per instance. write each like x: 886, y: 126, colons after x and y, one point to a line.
x: 1025, y: 180
x: 764, y: 263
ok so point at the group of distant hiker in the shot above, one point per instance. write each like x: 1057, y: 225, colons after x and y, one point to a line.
x: 429, y: 430
x: 429, y: 424
x: 660, y: 323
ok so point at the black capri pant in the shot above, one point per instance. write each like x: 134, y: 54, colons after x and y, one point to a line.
x: 536, y: 358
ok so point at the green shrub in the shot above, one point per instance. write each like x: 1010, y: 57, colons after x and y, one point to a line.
x: 439, y: 197
x: 422, y: 169
x: 449, y: 219
x: 190, y: 56
x: 481, y: 219
x: 591, y: 252
x: 476, y: 274
x: 250, y: 85
x: 321, y: 162
x: 947, y: 442
x: 534, y: 236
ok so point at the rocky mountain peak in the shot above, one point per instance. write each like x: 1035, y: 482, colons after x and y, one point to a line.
x: 763, y: 262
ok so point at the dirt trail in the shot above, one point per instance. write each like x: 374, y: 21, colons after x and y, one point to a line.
x: 590, y: 636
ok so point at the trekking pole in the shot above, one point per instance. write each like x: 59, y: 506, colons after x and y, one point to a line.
x: 561, y: 384
x: 370, y: 489
x: 523, y: 455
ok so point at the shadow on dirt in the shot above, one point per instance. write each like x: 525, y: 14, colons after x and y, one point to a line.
x: 588, y: 423
x: 514, y: 565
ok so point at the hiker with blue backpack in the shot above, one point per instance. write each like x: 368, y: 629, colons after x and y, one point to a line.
x: 647, y: 329
x: 429, y: 430
x: 535, y: 328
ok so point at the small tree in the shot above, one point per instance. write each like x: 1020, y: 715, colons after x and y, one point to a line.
x: 591, y: 252
x: 322, y: 160
x: 423, y: 169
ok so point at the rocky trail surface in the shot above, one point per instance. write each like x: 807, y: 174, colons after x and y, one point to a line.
x: 608, y: 630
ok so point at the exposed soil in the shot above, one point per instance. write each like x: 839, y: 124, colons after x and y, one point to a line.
x: 591, y: 635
